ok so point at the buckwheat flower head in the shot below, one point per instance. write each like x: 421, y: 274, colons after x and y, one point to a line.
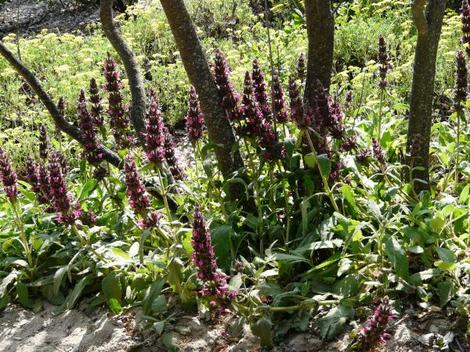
x: 194, y: 118
x: 8, y: 177
x: 227, y: 92
x: 138, y: 197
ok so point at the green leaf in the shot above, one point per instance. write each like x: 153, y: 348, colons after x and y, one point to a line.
x: 75, y: 294
x: 445, y: 291
x: 222, y: 240
x: 325, y: 165
x: 87, y: 188
x: 464, y: 195
x: 397, y: 256
x: 446, y: 255
x: 151, y: 294
x: 7, y: 281
x: 159, y: 305
x: 310, y: 160
x: 23, y: 295
x: 262, y: 329
x: 332, y: 324
x: 112, y: 290
x: 58, y: 278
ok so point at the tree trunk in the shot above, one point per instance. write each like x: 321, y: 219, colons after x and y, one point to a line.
x: 428, y: 21
x: 136, y: 83
x: 59, y: 120
x: 321, y: 32
x: 195, y: 63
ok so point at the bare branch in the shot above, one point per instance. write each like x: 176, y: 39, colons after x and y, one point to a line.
x: 136, y: 83
x: 59, y: 120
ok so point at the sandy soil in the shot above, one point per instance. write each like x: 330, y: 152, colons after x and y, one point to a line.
x: 77, y: 331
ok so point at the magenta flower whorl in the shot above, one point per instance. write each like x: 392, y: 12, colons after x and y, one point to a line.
x: 269, y: 141
x: 154, y: 133
x: 461, y: 81
x: 336, y: 123
x: 8, y: 177
x: 215, y: 286
x: 61, y: 198
x: 349, y: 97
x: 349, y: 143
x: 279, y: 109
x: 117, y: 109
x: 301, y: 68
x: 259, y: 91
x: 296, y: 104
x: 378, y: 151
x: 95, y: 99
x: 249, y: 111
x: 138, y: 197
x: 43, y: 143
x: 374, y: 332
x: 44, y: 182
x: 93, y: 151
x: 384, y: 62
x: 194, y: 118
x: 151, y: 220
x: 34, y: 179
x: 227, y: 92
x: 465, y: 18
x: 170, y: 156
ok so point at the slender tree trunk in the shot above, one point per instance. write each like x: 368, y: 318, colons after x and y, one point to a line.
x: 195, y: 63
x: 59, y: 120
x: 428, y: 21
x: 136, y: 83
x: 321, y: 32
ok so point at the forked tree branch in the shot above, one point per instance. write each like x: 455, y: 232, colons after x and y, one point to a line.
x: 136, y: 83
x: 59, y: 120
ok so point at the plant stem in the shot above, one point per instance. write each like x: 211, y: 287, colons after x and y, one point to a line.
x: 23, y: 238
x: 165, y: 199
x: 457, y: 151
x: 326, y: 186
x: 379, y: 120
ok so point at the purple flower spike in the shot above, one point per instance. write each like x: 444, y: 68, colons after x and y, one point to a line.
x: 61, y: 199
x: 296, y: 104
x: 279, y: 109
x: 384, y: 62
x: 269, y: 141
x: 215, y: 287
x: 194, y: 119
x: 117, y: 109
x: 154, y: 133
x: 249, y: 111
x: 43, y: 143
x: 95, y: 99
x: 8, y: 177
x: 465, y: 18
x: 378, y: 151
x: 461, y: 81
x: 301, y: 68
x: 138, y: 197
x: 259, y: 90
x: 227, y: 92
x: 374, y: 332
x: 170, y: 156
x: 34, y: 179
x: 93, y: 150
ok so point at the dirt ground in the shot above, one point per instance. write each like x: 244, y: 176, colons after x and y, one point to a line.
x: 78, y: 331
